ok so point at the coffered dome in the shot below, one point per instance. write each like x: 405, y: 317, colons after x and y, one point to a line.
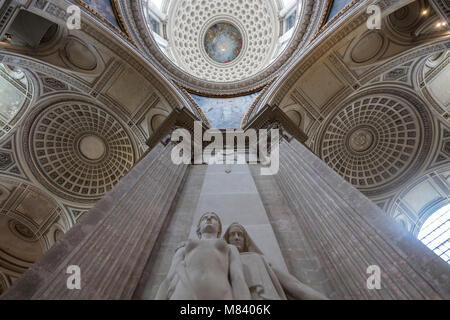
x: 78, y: 150
x: 222, y: 41
x: 245, y: 31
x: 376, y: 139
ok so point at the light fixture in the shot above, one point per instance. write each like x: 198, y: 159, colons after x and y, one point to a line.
x: 424, y: 12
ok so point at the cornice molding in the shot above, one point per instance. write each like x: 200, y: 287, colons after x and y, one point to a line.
x: 274, y: 115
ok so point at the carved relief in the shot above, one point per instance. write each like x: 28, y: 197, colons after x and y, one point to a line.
x: 79, y: 56
x: 9, y: 164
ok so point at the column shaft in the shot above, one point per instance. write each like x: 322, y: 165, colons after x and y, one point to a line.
x: 112, y: 244
x: 349, y: 233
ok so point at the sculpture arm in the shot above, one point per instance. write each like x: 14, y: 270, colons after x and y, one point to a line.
x: 295, y: 288
x: 163, y: 291
x: 238, y: 284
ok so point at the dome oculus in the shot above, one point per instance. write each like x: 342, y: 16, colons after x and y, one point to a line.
x: 223, y: 42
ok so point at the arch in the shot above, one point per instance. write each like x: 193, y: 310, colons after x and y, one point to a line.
x: 16, y: 96
x: 435, y: 232
x: 417, y: 201
x: 28, y: 219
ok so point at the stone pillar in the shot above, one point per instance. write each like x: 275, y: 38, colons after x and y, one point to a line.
x: 114, y: 240
x: 349, y: 233
x: 346, y: 231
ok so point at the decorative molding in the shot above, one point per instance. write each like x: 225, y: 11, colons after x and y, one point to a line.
x: 273, y: 115
x: 122, y: 31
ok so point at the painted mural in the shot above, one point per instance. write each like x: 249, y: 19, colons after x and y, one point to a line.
x: 225, y: 113
x: 338, y: 5
x: 223, y: 42
x: 103, y: 8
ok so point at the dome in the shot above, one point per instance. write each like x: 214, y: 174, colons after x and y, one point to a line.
x: 223, y: 41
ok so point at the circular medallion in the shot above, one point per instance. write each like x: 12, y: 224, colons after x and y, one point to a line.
x: 92, y: 147
x: 22, y: 231
x: 223, y: 42
x: 361, y: 140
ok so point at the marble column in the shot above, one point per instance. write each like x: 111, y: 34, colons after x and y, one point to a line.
x: 346, y: 231
x: 349, y: 233
x: 114, y: 240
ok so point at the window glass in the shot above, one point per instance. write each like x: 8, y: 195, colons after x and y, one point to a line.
x: 435, y: 233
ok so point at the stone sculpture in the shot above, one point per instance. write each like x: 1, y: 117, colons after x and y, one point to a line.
x: 265, y: 281
x: 205, y: 269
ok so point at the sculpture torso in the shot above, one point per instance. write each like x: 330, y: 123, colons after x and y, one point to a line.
x: 204, y: 272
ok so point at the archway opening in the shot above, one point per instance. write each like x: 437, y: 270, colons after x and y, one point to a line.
x: 435, y: 233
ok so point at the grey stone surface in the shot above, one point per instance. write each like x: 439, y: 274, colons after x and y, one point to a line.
x: 349, y: 233
x: 112, y: 243
x: 175, y: 231
x: 301, y: 260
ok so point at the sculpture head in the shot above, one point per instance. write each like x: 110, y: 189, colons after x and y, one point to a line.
x: 239, y: 237
x: 236, y: 235
x: 209, y: 223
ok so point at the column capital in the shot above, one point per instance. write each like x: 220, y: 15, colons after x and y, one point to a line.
x: 272, y: 117
x: 179, y: 118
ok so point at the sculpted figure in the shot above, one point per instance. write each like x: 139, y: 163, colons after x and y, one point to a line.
x: 265, y: 281
x: 205, y: 269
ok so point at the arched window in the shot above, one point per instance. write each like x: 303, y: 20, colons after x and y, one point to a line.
x: 15, y: 97
x: 435, y: 233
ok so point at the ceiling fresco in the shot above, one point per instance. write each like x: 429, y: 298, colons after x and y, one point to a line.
x: 223, y: 42
x: 225, y: 113
x: 104, y: 8
x: 337, y: 6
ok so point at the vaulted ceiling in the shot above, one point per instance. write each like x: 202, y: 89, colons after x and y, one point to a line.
x: 81, y: 104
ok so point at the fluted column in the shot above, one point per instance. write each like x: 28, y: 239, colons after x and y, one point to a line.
x: 114, y: 240
x: 349, y: 233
